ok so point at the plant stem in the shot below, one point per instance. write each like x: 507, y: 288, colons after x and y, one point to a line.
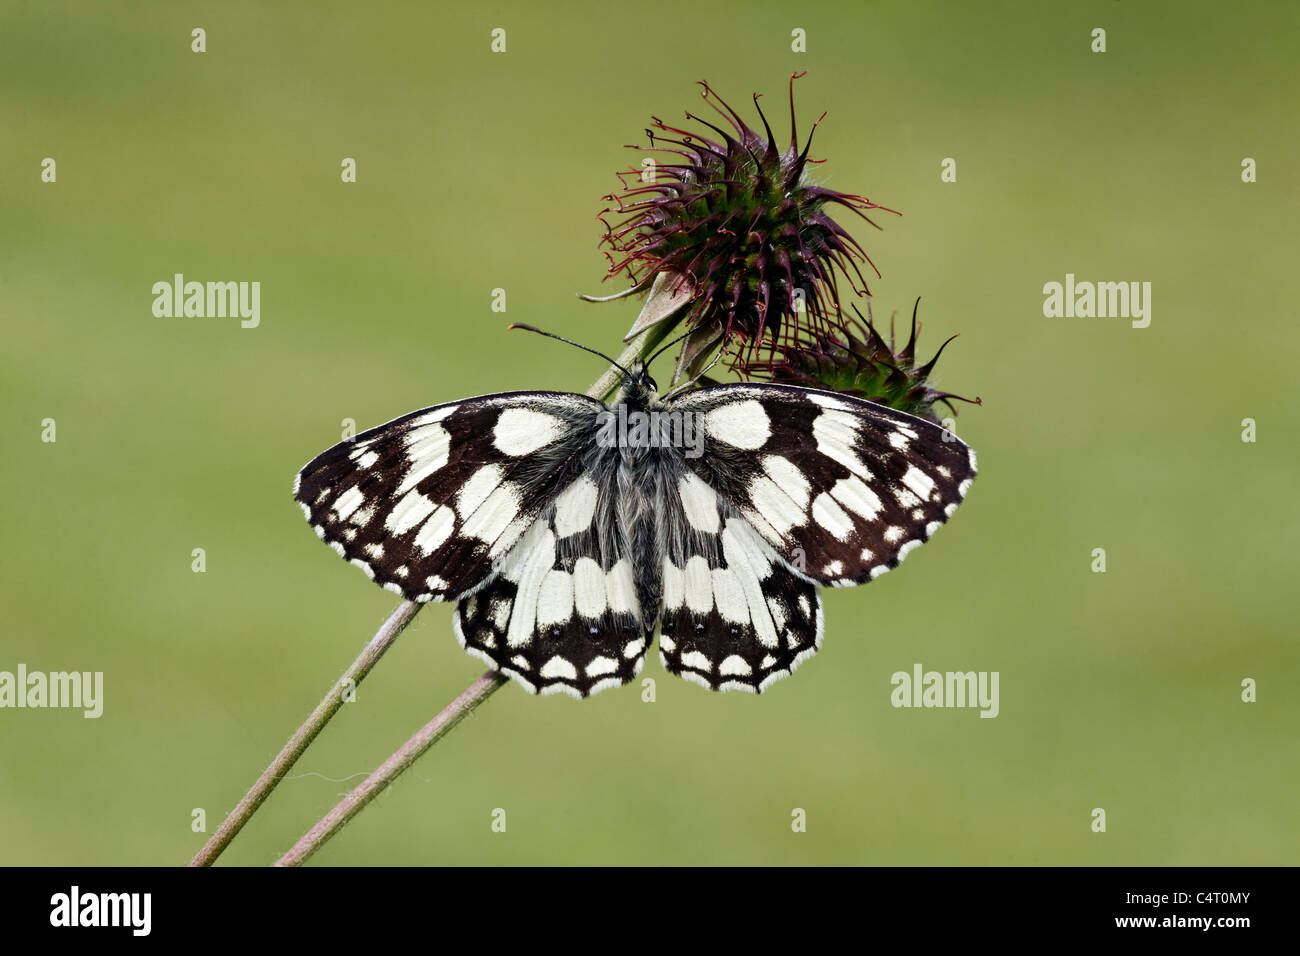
x: 392, y: 768
x: 305, y: 734
x: 472, y: 696
x: 604, y: 389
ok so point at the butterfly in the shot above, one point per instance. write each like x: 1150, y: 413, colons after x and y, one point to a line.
x: 568, y: 531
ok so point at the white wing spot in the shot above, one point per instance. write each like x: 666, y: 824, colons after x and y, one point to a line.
x: 776, y: 507
x: 475, y: 491
x: 427, y: 449
x: 698, y: 585
x: 499, y: 611
x: 742, y: 424
x: 790, y: 479
x: 735, y: 666
x: 588, y: 588
x: 408, y: 512
x: 536, y: 558
x: 348, y: 502
x: 620, y: 589
x: 919, y: 482
x: 729, y: 596
x: 436, y: 529
x: 600, y: 666
x: 696, y: 661
x: 521, y: 431
x: 831, y: 516
x: 674, y: 586
x: 852, y: 492
x: 558, y: 668
x: 699, y: 502
x: 836, y: 434
x: 575, y: 507
x: 555, y: 600
x: 490, y: 521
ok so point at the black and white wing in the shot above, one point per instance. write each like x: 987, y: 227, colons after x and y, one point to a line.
x: 429, y: 503
x: 736, y: 616
x: 841, y: 488
x: 795, y: 488
x: 564, y: 614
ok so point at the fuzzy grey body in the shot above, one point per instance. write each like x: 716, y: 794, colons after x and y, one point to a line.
x: 637, y: 512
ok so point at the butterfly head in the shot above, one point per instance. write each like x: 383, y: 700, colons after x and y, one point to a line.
x: 638, y: 389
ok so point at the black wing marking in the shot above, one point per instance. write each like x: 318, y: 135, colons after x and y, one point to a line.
x: 427, y: 502
x: 843, y: 489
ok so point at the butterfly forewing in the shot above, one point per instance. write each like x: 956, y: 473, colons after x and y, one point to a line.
x: 843, y: 489
x: 427, y: 503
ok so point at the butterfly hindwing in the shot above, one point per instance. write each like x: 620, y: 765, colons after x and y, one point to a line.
x: 427, y: 502
x: 843, y: 489
x: 735, y: 615
x: 562, y: 614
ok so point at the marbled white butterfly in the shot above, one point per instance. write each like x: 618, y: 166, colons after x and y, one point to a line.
x: 566, y: 538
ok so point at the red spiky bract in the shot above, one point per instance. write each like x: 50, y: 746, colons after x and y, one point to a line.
x: 743, y: 221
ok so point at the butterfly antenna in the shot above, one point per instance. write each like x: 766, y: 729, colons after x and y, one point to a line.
x: 552, y: 335
x: 667, y: 347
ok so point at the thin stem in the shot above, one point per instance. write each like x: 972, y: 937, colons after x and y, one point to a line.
x: 475, y: 694
x: 305, y: 734
x: 392, y: 768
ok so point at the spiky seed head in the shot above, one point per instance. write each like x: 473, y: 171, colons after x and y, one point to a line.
x: 741, y: 225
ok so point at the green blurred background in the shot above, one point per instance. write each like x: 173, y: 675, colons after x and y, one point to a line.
x: 479, y: 170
